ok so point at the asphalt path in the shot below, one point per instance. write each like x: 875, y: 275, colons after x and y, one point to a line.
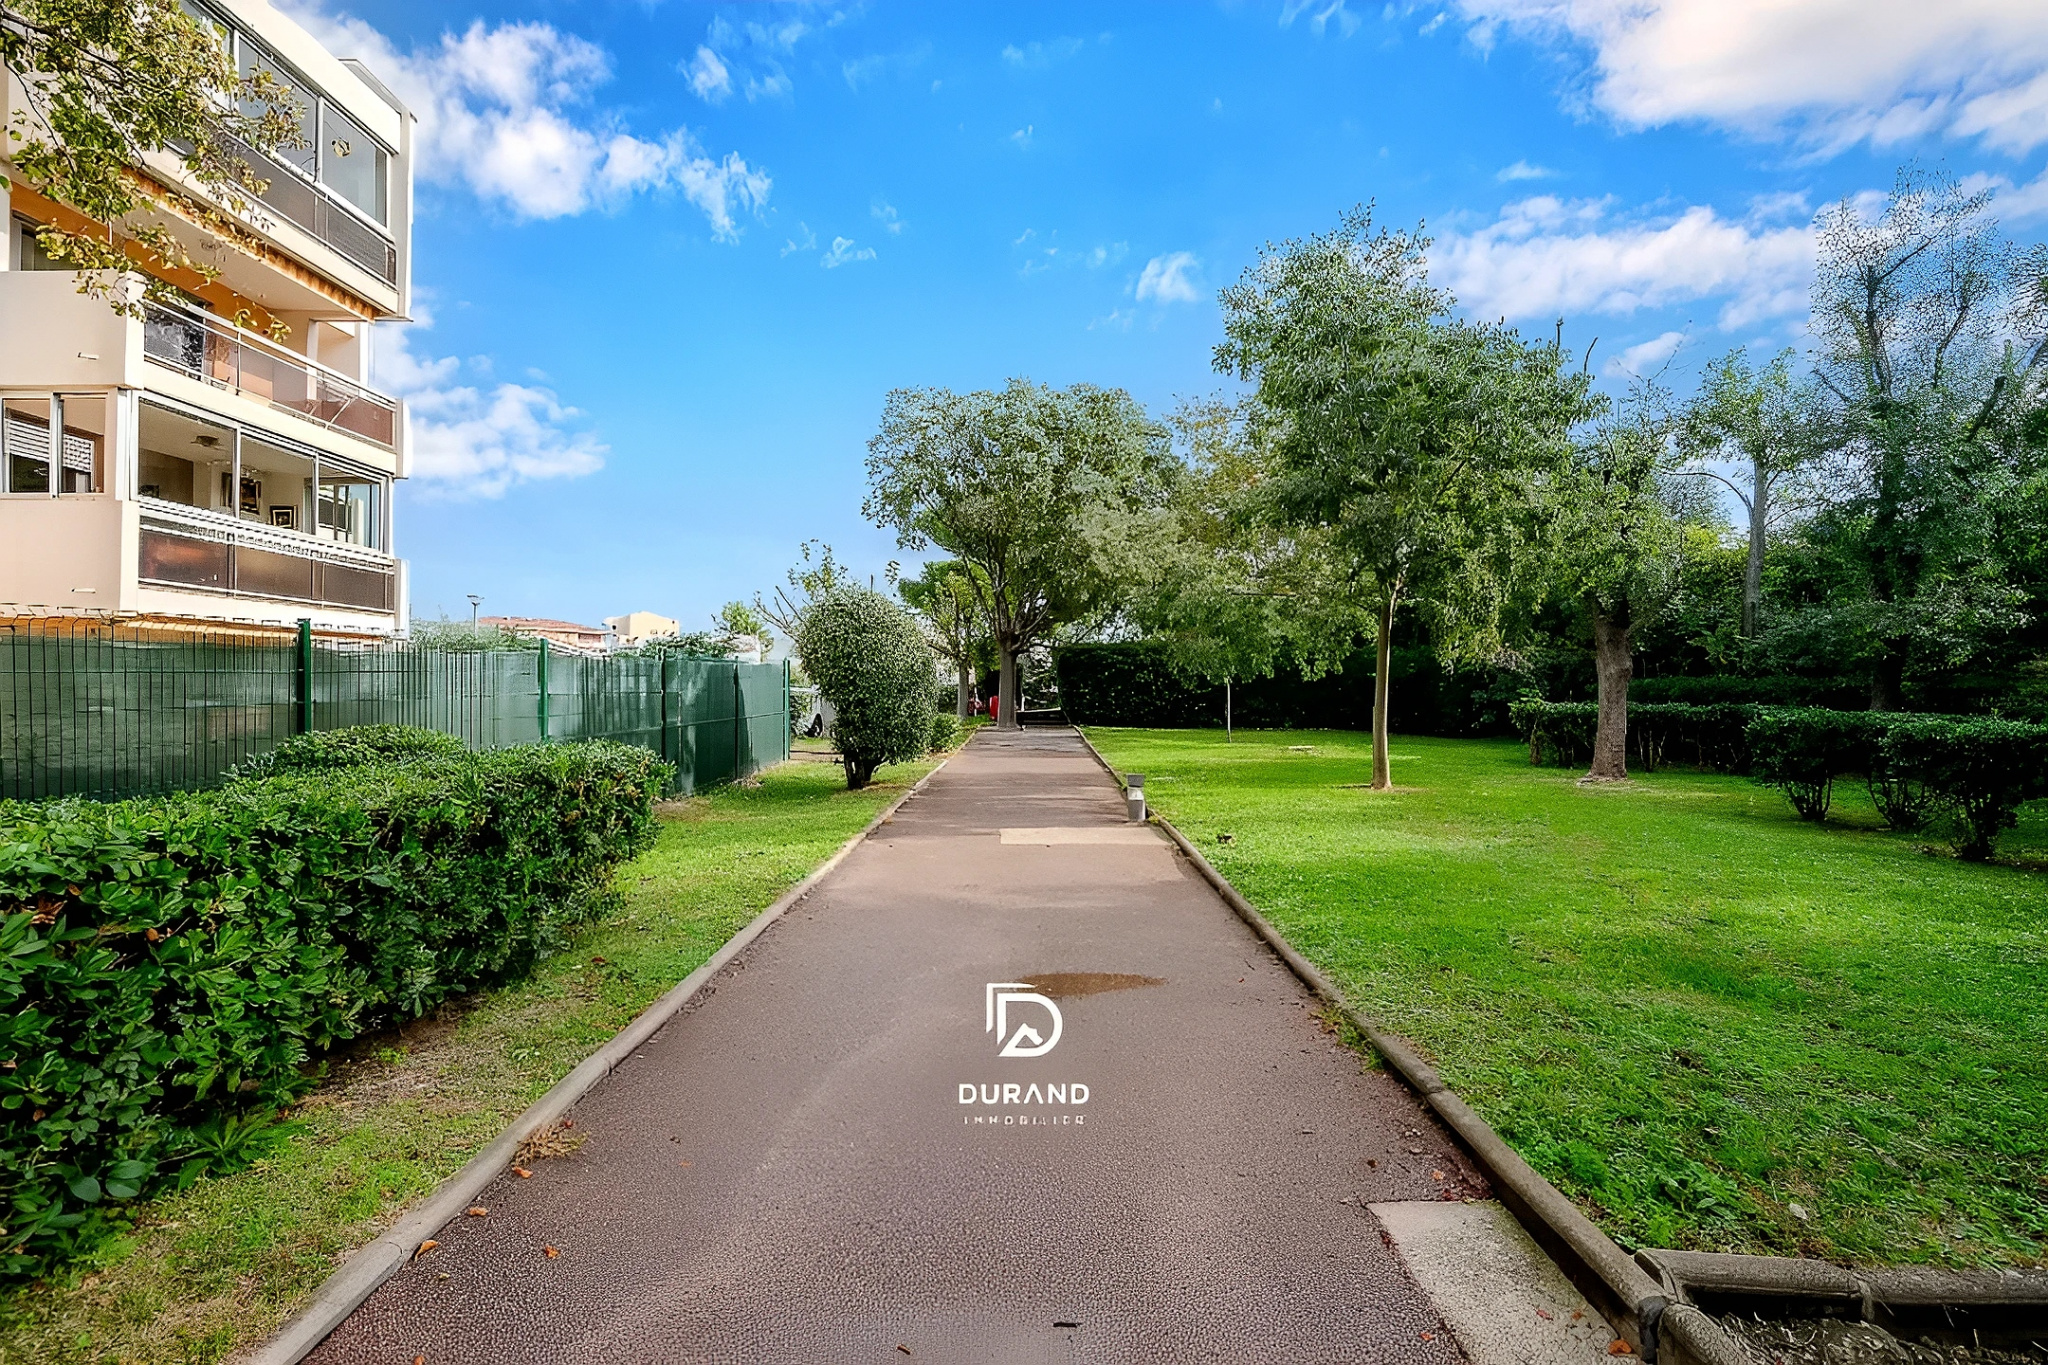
x: 820, y: 1161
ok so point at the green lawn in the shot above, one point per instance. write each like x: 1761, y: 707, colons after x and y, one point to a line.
x: 1687, y: 1008
x: 223, y: 1263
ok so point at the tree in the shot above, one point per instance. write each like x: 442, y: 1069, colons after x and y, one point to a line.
x: 1028, y: 485
x: 736, y: 620
x: 107, y: 83
x: 1765, y: 419
x: 1409, y: 442
x: 868, y: 659
x: 815, y: 574
x: 1621, y: 542
x: 944, y: 596
x: 1930, y: 340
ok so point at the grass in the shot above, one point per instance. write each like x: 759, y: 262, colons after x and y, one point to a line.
x: 221, y: 1264
x: 1713, y: 1025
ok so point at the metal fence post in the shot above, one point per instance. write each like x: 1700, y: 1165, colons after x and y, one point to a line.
x: 739, y: 720
x: 543, y: 670
x: 787, y: 725
x: 305, y: 675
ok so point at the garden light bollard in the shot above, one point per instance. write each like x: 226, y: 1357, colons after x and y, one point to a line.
x: 1134, y: 795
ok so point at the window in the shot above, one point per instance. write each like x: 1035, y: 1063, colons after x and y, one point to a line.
x: 29, y: 252
x: 348, y: 510
x: 25, y: 434
x: 181, y: 459
x: 298, y: 151
x: 351, y: 162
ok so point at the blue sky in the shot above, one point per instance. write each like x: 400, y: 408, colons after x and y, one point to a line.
x: 671, y: 257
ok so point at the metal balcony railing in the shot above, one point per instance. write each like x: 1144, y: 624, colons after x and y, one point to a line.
x: 227, y: 356
x: 209, y: 551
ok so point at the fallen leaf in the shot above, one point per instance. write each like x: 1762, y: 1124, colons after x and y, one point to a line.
x: 1618, y: 1347
x: 682, y: 1163
x: 151, y: 934
x: 568, y: 1123
x: 1429, y: 1336
x: 1545, y: 1315
x: 550, y: 1252
x: 1436, y: 1175
x: 1576, y: 1315
x: 419, y: 1360
x: 425, y: 1247
x: 901, y: 1347
x: 522, y: 1173
x: 597, y: 962
x: 478, y: 1211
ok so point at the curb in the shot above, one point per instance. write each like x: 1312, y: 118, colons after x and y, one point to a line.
x: 1634, y: 1303
x: 341, y: 1293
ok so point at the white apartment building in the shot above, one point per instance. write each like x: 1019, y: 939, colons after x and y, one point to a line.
x: 183, y: 466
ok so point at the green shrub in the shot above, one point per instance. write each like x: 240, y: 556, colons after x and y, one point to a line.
x: 1802, y: 750
x: 325, y: 750
x: 1709, y: 736
x: 945, y: 730
x: 867, y: 657
x: 171, y: 968
x: 1975, y: 771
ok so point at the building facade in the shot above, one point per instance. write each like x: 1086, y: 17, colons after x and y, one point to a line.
x: 569, y: 635
x: 184, y: 464
x: 638, y: 627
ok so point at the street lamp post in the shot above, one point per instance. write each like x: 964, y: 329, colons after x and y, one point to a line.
x: 475, y: 600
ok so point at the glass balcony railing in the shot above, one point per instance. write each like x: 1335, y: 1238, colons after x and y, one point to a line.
x: 229, y: 357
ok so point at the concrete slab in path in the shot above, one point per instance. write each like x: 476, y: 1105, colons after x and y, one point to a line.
x: 826, y: 1158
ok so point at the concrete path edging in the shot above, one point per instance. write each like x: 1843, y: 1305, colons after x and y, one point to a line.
x: 371, y: 1265
x: 1635, y: 1303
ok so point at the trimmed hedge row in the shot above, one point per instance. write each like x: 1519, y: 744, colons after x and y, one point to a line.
x: 171, y: 968
x: 1971, y: 773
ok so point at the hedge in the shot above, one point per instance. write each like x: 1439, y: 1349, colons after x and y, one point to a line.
x: 1972, y: 773
x: 325, y: 750
x: 171, y: 969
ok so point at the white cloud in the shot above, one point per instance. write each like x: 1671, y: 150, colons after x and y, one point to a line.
x: 469, y: 441
x: 1523, y: 170
x: 844, y: 252
x: 1321, y: 14
x: 503, y: 111
x: 1836, y: 71
x: 1546, y: 257
x: 809, y: 242
x: 886, y: 215
x: 2011, y: 203
x: 1644, y: 357
x: 1022, y: 137
x: 708, y: 76
x: 1170, y: 279
x: 1116, y: 320
x: 1039, y: 55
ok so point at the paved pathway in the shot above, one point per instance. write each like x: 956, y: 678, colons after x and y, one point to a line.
x: 787, y: 1172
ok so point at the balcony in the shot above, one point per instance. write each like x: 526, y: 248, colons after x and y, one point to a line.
x: 199, y: 550
x: 229, y: 357
x: 310, y: 208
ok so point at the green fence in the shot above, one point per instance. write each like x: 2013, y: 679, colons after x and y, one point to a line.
x: 109, y: 710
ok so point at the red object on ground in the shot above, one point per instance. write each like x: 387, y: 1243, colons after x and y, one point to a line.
x: 994, y: 703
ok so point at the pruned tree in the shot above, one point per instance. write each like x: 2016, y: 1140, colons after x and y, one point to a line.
x: 1408, y: 443
x: 1767, y: 424
x: 1028, y: 485
x: 815, y: 574
x: 107, y: 84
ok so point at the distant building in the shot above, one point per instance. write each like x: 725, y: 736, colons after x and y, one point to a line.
x: 638, y: 627
x: 567, y: 634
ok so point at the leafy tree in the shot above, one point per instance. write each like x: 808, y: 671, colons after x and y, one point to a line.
x: 1030, y: 486
x: 1932, y: 338
x: 107, y: 83
x: 1765, y: 419
x: 944, y: 596
x: 869, y: 660
x: 460, y: 637
x: 1621, y: 544
x: 1407, y: 442
x: 736, y: 620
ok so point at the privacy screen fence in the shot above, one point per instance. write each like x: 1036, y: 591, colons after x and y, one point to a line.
x: 115, y: 709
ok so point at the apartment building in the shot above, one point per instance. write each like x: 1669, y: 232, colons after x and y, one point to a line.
x: 179, y: 464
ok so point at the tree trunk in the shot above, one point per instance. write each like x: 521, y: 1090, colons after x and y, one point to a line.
x: 1888, y: 680
x: 963, y: 694
x: 1006, y: 690
x: 859, y: 772
x: 1615, y: 665
x: 1382, y: 775
x: 1753, y: 572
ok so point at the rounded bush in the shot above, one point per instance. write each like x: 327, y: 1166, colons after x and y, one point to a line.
x: 867, y: 657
